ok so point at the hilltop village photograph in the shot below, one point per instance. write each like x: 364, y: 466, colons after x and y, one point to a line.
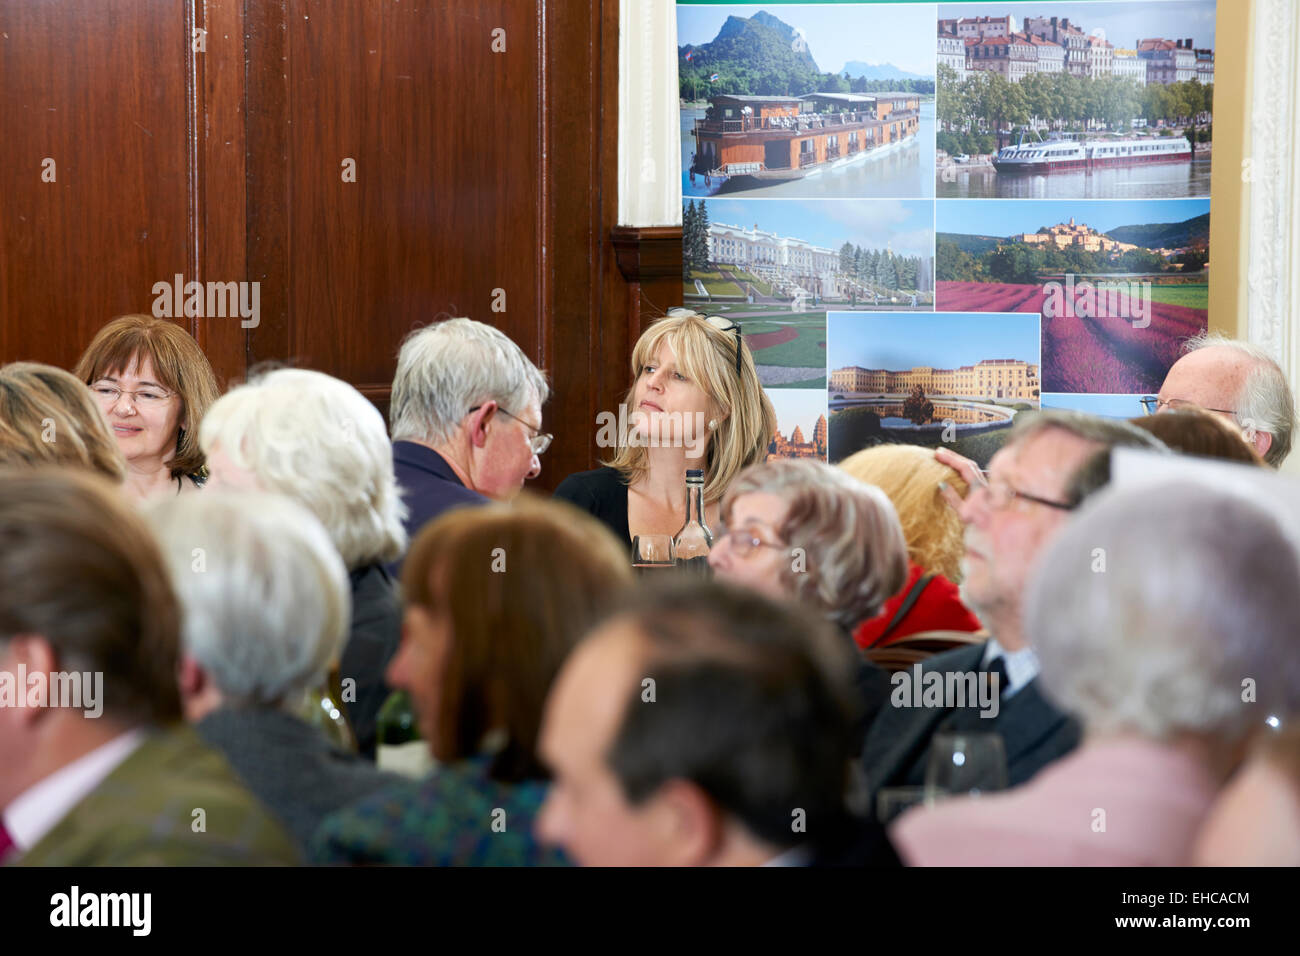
x: 1075, y: 100
x: 1118, y: 292
x: 807, y: 101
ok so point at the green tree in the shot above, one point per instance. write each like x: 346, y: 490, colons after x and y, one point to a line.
x: 688, y: 239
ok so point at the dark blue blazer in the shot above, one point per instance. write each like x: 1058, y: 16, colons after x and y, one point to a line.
x: 428, y: 486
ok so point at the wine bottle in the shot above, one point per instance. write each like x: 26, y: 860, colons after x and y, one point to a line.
x: 399, y: 748
x: 691, y: 545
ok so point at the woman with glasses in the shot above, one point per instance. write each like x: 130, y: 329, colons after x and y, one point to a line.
x: 153, y: 385
x: 804, y: 531
x: 695, y: 402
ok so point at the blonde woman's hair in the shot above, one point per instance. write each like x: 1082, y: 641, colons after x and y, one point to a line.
x: 910, y: 477
x: 854, y: 554
x: 47, y: 416
x: 317, y: 440
x: 178, y: 363
x: 707, y: 356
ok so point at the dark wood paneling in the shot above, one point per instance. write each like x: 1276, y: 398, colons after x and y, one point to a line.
x: 99, y: 86
x: 475, y: 171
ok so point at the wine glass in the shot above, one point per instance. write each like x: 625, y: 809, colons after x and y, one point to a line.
x: 653, y: 551
x: 891, y: 802
x: 966, y: 764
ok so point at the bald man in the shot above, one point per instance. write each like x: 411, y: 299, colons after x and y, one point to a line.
x: 1239, y: 381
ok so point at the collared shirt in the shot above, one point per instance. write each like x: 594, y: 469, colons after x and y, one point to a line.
x: 36, y: 811
x: 1021, y: 665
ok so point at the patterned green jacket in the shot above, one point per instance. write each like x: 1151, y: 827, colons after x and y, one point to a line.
x: 144, y: 813
x: 457, y: 816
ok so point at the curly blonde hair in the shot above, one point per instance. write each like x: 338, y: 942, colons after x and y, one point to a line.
x: 910, y: 476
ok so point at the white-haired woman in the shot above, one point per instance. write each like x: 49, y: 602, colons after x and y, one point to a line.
x: 800, y: 529
x: 1149, y: 612
x: 695, y: 402
x: 263, y: 619
x: 318, y: 441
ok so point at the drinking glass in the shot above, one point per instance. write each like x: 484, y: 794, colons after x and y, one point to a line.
x: 966, y: 764
x: 653, y: 551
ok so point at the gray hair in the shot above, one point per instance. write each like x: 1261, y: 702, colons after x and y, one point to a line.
x: 849, y: 535
x: 1265, y: 401
x: 316, y: 439
x: 1154, y: 606
x: 444, y: 370
x: 264, y: 594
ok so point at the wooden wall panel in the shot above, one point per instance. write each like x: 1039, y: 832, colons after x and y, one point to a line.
x: 98, y: 86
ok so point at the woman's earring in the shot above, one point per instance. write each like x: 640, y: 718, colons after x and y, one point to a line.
x: 713, y: 424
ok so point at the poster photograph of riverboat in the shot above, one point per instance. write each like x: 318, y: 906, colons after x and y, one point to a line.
x: 788, y: 101
x: 777, y: 268
x: 1120, y: 285
x: 1090, y: 100
x: 929, y: 379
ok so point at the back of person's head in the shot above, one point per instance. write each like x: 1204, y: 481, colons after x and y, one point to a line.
x: 80, y: 571
x: 47, y: 416
x: 711, y: 353
x: 1157, y: 604
x: 319, y: 441
x: 1265, y: 401
x: 1194, y: 431
x: 179, y: 366
x: 855, y: 555
x: 516, y: 585
x: 263, y: 592
x: 745, y: 701
x: 445, y: 369
x: 910, y: 476
x: 1109, y: 433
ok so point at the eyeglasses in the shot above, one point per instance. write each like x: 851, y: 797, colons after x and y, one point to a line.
x: 726, y: 325
x: 744, y: 542
x: 538, y: 442
x: 150, y: 396
x: 1153, y: 404
x: 1002, y: 494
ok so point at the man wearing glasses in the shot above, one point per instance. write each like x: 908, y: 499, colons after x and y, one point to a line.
x: 1012, y: 512
x: 1238, y: 381
x: 465, y: 418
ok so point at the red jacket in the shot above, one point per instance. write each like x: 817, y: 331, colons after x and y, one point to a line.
x: 939, y: 608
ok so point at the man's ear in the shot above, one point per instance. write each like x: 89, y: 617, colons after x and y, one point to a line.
x: 1262, y: 441
x: 190, y: 677
x: 35, y: 655
x: 476, y: 427
x: 689, y: 824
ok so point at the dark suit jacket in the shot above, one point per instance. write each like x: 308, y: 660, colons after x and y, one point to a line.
x: 428, y: 486
x: 290, y: 766
x: 898, y: 742
x: 144, y: 814
x: 372, y: 641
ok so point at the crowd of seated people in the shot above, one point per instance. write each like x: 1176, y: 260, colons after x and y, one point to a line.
x: 202, y: 568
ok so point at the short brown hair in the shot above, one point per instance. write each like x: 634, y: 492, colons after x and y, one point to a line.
x: 48, y: 417
x: 179, y: 364
x: 1194, y: 431
x: 910, y: 475
x: 519, y: 583
x: 79, y: 568
x: 847, y: 529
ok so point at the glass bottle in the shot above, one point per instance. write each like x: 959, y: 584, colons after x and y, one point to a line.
x: 399, y: 748
x: 692, y: 543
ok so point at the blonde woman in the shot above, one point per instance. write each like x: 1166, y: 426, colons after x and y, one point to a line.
x: 153, y: 385
x: 912, y: 478
x: 48, y: 417
x: 695, y: 402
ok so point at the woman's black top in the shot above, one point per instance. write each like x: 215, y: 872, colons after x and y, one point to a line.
x: 599, y: 492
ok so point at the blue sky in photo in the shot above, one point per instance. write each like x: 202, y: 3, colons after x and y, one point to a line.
x: 901, y: 340
x: 871, y: 223
x: 900, y: 33
x: 1124, y: 23
x: 797, y: 406
x: 1005, y: 217
x: 1107, y: 406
